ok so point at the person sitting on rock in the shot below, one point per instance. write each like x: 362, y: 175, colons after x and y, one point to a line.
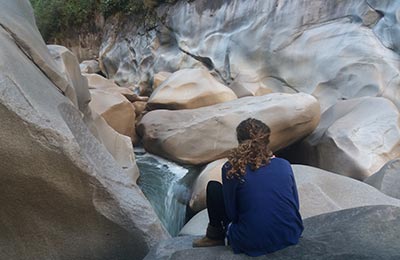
x: 257, y: 206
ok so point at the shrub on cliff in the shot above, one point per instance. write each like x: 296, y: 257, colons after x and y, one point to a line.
x: 55, y: 17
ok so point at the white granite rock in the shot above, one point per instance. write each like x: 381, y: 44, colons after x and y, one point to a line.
x: 189, y: 88
x: 354, y: 138
x: 202, y: 135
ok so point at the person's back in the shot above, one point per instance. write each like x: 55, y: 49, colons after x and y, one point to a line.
x: 257, y: 205
x: 263, y: 208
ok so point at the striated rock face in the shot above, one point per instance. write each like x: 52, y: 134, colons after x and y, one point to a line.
x: 189, y: 88
x: 329, y: 236
x: 319, y: 192
x: 336, y: 50
x: 202, y: 135
x: 62, y: 194
x: 355, y: 137
x: 387, y: 179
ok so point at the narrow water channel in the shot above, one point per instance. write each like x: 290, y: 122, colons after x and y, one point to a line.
x: 167, y: 186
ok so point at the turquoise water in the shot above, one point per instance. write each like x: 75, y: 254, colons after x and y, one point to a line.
x: 167, y: 186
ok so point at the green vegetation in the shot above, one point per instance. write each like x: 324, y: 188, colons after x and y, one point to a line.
x: 55, y: 17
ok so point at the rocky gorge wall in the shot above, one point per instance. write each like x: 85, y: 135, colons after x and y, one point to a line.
x: 335, y: 51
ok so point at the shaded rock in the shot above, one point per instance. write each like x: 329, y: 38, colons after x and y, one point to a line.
x: 319, y: 192
x: 202, y: 135
x: 140, y: 107
x: 62, y: 195
x: 89, y: 66
x: 68, y: 65
x: 345, y: 234
x: 355, y: 137
x: 322, y: 192
x: 189, y: 88
x: 197, y: 225
x: 118, y: 112
x: 387, y: 179
x: 211, y: 172
x: 118, y: 145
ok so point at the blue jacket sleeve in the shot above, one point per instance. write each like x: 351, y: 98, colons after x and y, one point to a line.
x: 229, y: 190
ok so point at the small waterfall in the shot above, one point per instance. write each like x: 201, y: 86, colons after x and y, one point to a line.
x: 166, y: 186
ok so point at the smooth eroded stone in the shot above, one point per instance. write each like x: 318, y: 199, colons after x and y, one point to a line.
x: 211, y: 172
x: 369, y: 232
x: 118, y: 112
x: 334, y: 51
x: 189, y: 88
x: 387, y: 179
x: 62, y: 195
x: 354, y: 138
x: 118, y: 145
x: 319, y: 192
x: 198, y: 136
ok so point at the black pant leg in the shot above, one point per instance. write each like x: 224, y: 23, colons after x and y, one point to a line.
x: 215, y: 204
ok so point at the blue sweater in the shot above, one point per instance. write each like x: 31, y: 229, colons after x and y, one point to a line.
x: 264, y: 209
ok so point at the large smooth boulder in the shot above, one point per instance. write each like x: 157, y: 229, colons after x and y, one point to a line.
x: 189, y: 88
x: 387, y: 179
x: 319, y: 192
x: 212, y: 172
x: 369, y: 232
x: 202, y: 135
x: 354, y: 138
x: 62, y: 195
x: 118, y: 112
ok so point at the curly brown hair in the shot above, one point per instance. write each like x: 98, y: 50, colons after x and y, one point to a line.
x: 253, y: 137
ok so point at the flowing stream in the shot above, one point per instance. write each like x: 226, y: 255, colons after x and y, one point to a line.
x: 167, y: 186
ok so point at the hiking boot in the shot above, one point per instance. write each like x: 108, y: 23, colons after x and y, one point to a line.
x: 214, y: 237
